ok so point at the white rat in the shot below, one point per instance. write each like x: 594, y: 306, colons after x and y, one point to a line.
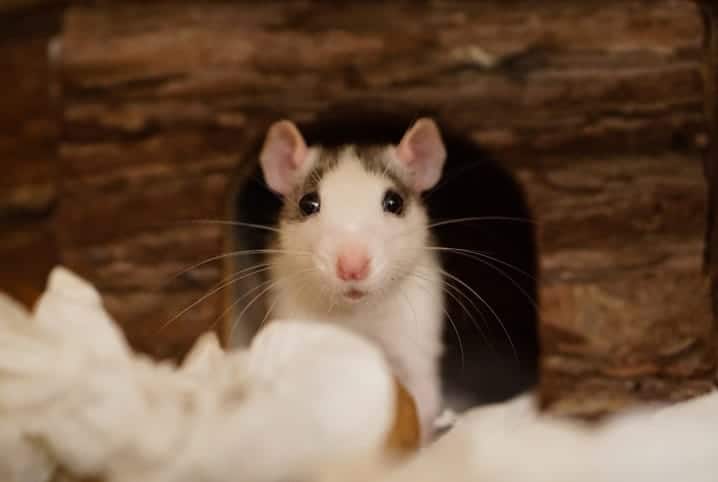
x: 351, y: 247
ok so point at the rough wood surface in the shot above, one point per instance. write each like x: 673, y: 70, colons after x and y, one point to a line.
x: 709, y: 11
x: 548, y: 76
x: 597, y: 105
x: 624, y: 303
x: 29, y: 128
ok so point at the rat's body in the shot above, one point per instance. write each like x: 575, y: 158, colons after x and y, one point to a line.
x: 488, y: 355
x: 351, y: 248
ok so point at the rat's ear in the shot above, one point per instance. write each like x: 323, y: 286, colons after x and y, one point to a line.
x: 283, y: 156
x: 422, y: 153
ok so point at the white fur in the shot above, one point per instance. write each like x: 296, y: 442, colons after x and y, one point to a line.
x: 403, y: 308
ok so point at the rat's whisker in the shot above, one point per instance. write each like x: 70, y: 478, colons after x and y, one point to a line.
x: 478, y: 219
x: 447, y: 288
x: 256, y: 269
x: 444, y: 285
x: 449, y: 318
x: 411, y: 338
x: 493, y: 312
x: 470, y: 219
x: 238, y: 300
x: 263, y: 227
x: 471, y: 253
x: 267, y: 287
x: 242, y: 252
x: 476, y: 256
x: 272, y: 306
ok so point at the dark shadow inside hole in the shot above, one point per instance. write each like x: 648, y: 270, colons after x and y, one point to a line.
x: 500, y: 343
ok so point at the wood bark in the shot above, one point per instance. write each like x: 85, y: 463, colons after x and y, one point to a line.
x: 709, y: 10
x: 595, y: 105
x: 29, y: 131
x: 624, y: 303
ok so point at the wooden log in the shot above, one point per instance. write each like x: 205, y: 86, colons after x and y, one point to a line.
x: 596, y: 105
x: 624, y: 304
x: 29, y: 129
x: 534, y: 78
x: 709, y: 12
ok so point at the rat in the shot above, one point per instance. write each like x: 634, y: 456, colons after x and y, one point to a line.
x: 350, y: 247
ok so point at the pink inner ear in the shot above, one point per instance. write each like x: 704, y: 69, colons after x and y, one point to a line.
x: 283, y: 154
x: 422, y: 152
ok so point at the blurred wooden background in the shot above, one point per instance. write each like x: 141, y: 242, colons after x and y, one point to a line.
x: 29, y: 135
x: 126, y: 119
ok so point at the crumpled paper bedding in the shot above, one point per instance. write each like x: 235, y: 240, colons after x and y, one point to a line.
x: 304, y: 400
x: 73, y: 396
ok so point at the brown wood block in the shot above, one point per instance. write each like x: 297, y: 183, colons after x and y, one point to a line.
x: 27, y: 254
x: 551, y: 77
x: 29, y: 130
x: 624, y: 301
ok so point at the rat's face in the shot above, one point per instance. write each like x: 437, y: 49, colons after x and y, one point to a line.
x: 363, y: 227
x: 353, y: 224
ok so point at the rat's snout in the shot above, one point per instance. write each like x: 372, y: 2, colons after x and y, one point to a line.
x: 353, y: 263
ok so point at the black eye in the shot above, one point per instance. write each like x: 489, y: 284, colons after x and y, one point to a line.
x: 393, y: 202
x: 309, y: 203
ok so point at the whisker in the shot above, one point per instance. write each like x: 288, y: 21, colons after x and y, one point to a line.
x: 451, y: 321
x: 446, y: 286
x: 268, y: 287
x: 233, y: 223
x: 480, y: 218
x: 268, y: 313
x: 473, y: 252
x: 239, y: 299
x: 243, y: 252
x: 256, y: 269
x: 445, y: 222
x: 274, y: 304
x: 475, y: 256
x: 480, y: 298
x: 458, y: 338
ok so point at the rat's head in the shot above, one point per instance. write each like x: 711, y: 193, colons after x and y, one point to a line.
x: 353, y: 220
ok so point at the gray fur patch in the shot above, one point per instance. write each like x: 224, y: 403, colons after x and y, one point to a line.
x: 372, y: 158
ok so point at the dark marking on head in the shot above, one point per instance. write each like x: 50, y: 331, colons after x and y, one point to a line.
x: 372, y: 158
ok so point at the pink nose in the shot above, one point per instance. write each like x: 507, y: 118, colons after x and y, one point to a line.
x: 353, y: 264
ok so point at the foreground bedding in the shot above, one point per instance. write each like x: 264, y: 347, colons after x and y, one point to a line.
x: 304, y: 401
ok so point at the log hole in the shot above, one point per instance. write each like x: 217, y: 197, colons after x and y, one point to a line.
x: 473, y: 185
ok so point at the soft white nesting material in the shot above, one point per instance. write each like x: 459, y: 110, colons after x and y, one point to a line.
x: 73, y: 394
x: 513, y: 442
x: 303, y: 396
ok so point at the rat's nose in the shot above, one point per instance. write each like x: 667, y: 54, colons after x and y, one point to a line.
x: 353, y: 264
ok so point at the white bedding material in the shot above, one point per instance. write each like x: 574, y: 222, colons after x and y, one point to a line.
x: 512, y: 442
x: 305, y: 395
x: 77, y: 395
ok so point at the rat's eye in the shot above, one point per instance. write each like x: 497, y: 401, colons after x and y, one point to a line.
x: 393, y: 202
x: 309, y: 203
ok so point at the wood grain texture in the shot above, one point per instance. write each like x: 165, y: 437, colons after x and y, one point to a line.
x: 29, y: 132
x: 709, y: 11
x: 624, y: 302
x: 532, y: 78
x: 596, y: 105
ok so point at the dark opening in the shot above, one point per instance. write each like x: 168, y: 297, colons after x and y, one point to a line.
x: 500, y: 359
